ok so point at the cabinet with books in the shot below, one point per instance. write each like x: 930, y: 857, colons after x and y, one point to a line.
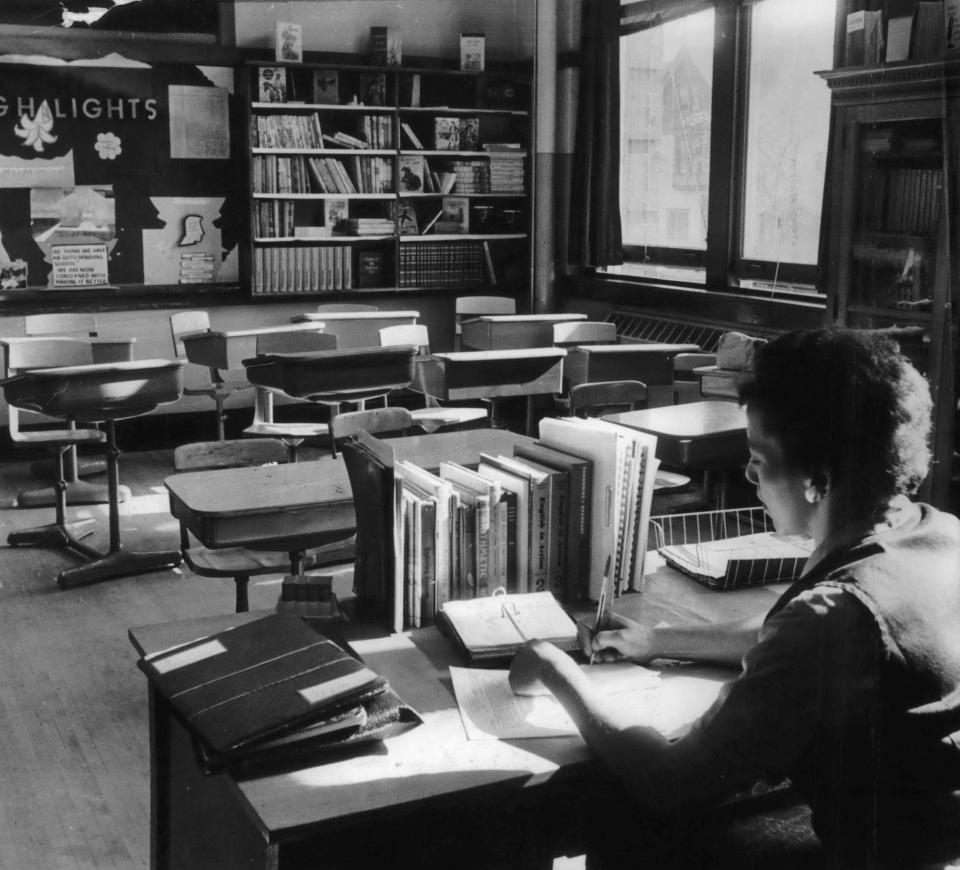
x: 463, y: 176
x: 891, y: 252
x: 398, y: 176
x: 322, y: 179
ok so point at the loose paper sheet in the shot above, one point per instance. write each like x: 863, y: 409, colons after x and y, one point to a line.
x: 490, y: 710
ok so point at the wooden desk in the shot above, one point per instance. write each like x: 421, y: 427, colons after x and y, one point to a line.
x: 650, y: 363
x: 228, y: 350
x: 509, y: 331
x: 693, y: 435
x: 492, y: 374
x: 421, y: 784
x: 357, y: 328
x: 257, y: 506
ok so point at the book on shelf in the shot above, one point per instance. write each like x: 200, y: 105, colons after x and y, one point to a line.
x: 379, y: 36
x: 576, y: 545
x: 864, y: 37
x: 326, y: 86
x: 899, y: 30
x: 929, y: 31
x: 411, y: 135
x: 469, y: 134
x: 409, y: 90
x: 373, y: 89
x: 496, y: 626
x: 744, y: 560
x: 406, y: 218
x: 288, y: 41
x: 335, y: 212
x: 446, y: 134
x: 411, y: 168
x: 456, y: 210
x: 951, y: 24
x: 272, y: 84
x: 370, y: 272
x: 266, y: 687
x: 472, y: 51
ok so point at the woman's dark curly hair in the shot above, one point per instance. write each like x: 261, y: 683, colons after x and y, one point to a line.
x: 848, y: 402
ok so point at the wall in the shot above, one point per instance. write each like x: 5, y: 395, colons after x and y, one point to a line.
x: 427, y: 27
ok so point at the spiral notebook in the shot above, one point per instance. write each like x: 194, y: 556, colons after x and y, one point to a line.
x: 496, y: 626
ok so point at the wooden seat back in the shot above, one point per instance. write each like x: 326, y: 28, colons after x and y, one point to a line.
x: 346, y: 306
x: 75, y: 325
x: 577, y: 332
x: 295, y: 342
x: 232, y: 453
x: 416, y: 334
x: 183, y: 323
x: 376, y: 421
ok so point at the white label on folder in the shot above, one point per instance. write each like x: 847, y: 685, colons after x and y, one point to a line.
x: 189, y: 656
x: 332, y: 688
x: 856, y: 21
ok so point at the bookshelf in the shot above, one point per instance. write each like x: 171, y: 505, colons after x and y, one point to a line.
x: 365, y: 178
x: 890, y: 240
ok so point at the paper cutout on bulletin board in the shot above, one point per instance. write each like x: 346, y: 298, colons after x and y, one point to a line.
x: 56, y: 171
x: 189, y: 238
x: 199, y: 123
x: 82, y: 222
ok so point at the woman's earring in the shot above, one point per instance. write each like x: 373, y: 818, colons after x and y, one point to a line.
x: 811, y: 494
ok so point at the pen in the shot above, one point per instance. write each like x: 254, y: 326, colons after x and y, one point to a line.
x: 601, y: 603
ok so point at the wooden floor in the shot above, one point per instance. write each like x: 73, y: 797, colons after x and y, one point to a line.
x: 73, y: 705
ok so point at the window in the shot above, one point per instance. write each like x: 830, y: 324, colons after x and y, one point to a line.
x: 692, y: 107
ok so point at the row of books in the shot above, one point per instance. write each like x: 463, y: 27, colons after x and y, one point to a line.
x: 286, y: 131
x: 546, y: 519
x: 305, y: 131
x: 302, y: 269
x: 923, y: 32
x: 274, y: 219
x: 442, y: 263
x: 905, y: 199
x: 370, y: 174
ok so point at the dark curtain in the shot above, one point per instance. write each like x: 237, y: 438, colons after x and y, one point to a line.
x: 595, y: 236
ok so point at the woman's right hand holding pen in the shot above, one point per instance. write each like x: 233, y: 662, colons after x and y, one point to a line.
x: 619, y: 638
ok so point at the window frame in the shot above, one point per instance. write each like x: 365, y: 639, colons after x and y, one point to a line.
x: 725, y: 268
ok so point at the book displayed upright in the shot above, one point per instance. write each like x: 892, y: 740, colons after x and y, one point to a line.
x: 472, y: 51
x: 864, y: 38
x: 288, y: 41
x: 272, y: 84
x: 326, y: 86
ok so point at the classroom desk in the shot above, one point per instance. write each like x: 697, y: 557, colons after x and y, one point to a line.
x: 419, y: 784
x: 693, y: 435
x: 511, y: 331
x: 706, y: 436
x: 650, y: 363
x: 289, y: 503
x: 492, y: 374
x: 228, y: 350
x: 357, y: 328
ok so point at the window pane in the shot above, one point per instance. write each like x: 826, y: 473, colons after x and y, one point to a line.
x: 667, y: 75
x: 788, y: 120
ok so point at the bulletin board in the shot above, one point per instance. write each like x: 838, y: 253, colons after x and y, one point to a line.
x: 123, y: 174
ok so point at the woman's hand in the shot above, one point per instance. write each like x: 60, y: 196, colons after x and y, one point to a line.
x: 621, y: 638
x: 528, y: 666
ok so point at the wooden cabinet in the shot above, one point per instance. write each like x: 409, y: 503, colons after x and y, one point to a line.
x: 379, y: 178
x: 891, y: 236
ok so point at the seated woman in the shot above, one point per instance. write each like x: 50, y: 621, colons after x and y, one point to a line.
x: 850, y: 686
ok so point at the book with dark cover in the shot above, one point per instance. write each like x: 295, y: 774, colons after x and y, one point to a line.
x: 577, y: 544
x: 259, y: 682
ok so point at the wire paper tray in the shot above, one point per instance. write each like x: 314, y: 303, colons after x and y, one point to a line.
x: 729, y: 549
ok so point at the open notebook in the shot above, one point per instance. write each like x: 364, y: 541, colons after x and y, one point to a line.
x: 496, y: 626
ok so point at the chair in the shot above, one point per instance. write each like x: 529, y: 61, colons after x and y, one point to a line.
x: 23, y: 355
x: 241, y: 563
x: 575, y: 332
x: 376, y: 421
x: 292, y: 434
x: 433, y: 416
x: 219, y: 389
x: 596, y: 398
x: 83, y: 326
x: 686, y: 383
x: 477, y: 306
